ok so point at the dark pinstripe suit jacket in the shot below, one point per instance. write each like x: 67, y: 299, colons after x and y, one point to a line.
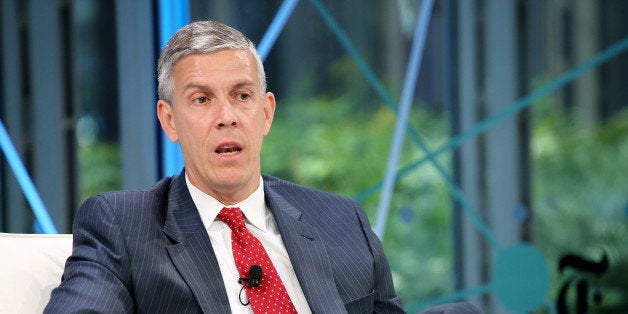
x: 148, y: 252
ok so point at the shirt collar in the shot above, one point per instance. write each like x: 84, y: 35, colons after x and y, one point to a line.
x: 253, y: 207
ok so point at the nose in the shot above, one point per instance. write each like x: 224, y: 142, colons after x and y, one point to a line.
x: 226, y: 116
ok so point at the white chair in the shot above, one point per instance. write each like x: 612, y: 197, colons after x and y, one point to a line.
x: 30, y: 267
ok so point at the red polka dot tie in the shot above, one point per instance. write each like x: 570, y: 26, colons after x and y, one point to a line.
x: 270, y: 295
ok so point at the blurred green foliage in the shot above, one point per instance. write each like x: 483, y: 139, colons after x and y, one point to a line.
x: 581, y: 199
x: 100, y: 168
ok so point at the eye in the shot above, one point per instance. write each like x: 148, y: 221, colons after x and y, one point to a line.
x: 200, y: 100
x: 243, y: 96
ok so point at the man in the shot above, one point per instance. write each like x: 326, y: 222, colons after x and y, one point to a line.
x: 174, y: 248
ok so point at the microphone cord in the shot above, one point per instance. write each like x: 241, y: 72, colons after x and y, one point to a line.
x: 240, y: 297
x: 255, y: 275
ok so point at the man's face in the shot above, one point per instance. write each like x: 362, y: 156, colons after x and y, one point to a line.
x: 220, y: 116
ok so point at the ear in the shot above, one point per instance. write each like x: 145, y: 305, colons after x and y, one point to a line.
x: 166, y: 119
x: 269, y: 112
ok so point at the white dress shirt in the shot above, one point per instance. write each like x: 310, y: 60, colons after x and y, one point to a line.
x: 260, y: 222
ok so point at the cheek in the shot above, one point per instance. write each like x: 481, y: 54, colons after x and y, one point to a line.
x: 263, y: 123
x: 258, y: 133
x: 189, y: 131
x: 190, y: 121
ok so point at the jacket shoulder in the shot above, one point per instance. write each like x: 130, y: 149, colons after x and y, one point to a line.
x: 158, y: 190
x: 290, y: 190
x: 131, y: 205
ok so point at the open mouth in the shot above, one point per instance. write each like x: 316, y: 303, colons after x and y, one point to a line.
x: 228, y: 149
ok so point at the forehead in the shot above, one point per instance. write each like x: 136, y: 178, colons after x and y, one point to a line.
x: 224, y: 62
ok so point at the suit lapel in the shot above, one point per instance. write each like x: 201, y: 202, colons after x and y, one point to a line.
x: 192, y: 253
x: 307, y: 254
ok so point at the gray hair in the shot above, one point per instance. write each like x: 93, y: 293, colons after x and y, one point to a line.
x: 201, y: 38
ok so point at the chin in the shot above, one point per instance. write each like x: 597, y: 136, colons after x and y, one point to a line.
x: 232, y: 180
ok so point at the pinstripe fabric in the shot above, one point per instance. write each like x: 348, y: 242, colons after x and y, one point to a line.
x: 148, y: 252
x: 338, y: 259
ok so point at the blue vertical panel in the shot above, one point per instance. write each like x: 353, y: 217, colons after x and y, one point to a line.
x: 173, y: 15
x: 13, y: 208
x: 50, y: 167
x: 470, y: 149
x: 135, y: 38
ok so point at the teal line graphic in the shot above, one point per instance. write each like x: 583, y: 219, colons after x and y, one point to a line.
x: 452, y: 297
x: 346, y: 43
x: 522, y: 264
x: 372, y: 78
x: 602, y: 57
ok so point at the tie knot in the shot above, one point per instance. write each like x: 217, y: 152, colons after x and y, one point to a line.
x: 232, y: 216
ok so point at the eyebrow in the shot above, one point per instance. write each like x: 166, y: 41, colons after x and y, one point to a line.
x: 195, y: 86
x: 202, y: 87
x: 245, y: 83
